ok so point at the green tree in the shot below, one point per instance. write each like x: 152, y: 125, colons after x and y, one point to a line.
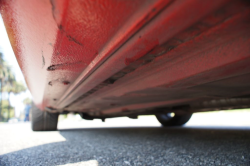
x: 12, y: 86
x: 7, y: 110
x: 3, y: 75
x: 8, y: 83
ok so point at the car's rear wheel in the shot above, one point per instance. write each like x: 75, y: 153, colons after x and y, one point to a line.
x: 43, y: 120
x: 170, y: 119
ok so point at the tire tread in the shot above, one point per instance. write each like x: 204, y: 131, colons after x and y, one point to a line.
x: 42, y: 120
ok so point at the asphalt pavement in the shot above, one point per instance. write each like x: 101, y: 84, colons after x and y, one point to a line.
x: 133, y: 145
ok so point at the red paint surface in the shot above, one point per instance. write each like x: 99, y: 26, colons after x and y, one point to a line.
x: 156, y: 52
x: 161, y: 29
x: 69, y: 34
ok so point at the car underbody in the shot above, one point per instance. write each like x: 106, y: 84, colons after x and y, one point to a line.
x: 105, y: 59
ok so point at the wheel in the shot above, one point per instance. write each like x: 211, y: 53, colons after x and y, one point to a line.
x: 168, y: 119
x: 42, y: 120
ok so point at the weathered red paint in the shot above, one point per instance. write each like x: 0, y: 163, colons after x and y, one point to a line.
x: 119, y: 55
x: 159, y: 30
x: 67, y: 36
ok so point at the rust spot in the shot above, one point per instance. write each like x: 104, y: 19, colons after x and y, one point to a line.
x: 139, y: 36
x: 60, y: 27
x: 74, y: 40
x: 66, y: 82
x: 109, y: 81
x: 43, y: 60
x: 50, y: 83
x: 51, y: 68
x: 62, y: 66
x: 171, y: 48
x: 54, y: 99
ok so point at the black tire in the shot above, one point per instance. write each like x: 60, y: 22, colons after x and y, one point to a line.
x: 177, y: 120
x: 43, y: 120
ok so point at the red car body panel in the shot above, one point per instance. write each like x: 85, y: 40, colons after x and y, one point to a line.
x: 111, y: 57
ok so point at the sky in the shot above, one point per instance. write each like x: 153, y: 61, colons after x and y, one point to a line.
x: 9, y: 56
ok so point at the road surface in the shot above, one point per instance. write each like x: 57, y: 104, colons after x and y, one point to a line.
x: 141, y: 145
